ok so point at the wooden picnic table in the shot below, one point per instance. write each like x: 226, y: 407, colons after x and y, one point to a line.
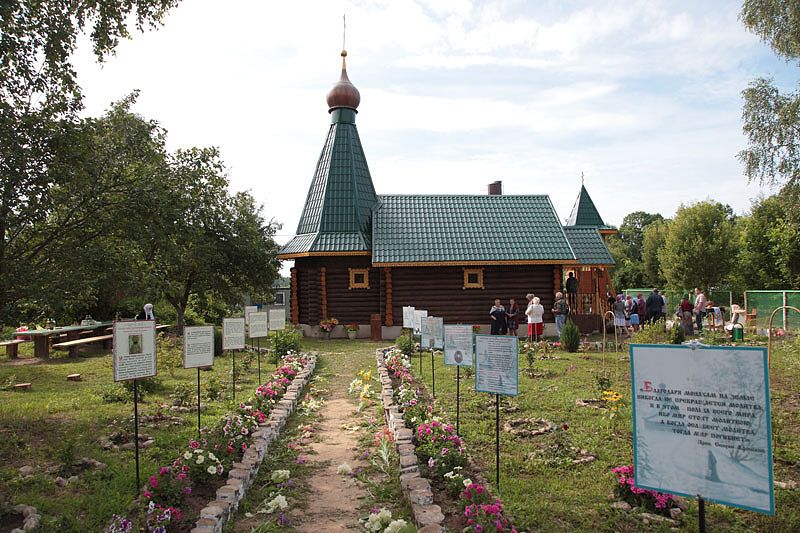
x: 41, y: 337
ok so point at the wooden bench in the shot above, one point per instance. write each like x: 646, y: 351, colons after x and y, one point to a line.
x: 12, y: 347
x: 72, y: 346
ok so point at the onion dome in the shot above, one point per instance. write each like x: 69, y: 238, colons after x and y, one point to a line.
x: 344, y: 93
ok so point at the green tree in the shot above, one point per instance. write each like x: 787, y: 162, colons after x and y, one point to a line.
x: 204, y: 241
x: 626, y: 249
x: 700, y: 246
x: 39, y: 96
x: 58, y: 257
x: 771, y: 119
x: 654, y: 238
x: 769, y: 256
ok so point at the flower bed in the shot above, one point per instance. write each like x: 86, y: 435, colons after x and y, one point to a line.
x: 234, y: 447
x: 426, y: 442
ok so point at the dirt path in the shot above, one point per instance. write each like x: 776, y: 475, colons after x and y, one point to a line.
x: 333, y: 498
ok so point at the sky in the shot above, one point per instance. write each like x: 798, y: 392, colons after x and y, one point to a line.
x: 642, y: 97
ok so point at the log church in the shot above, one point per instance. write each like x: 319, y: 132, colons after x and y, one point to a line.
x: 360, y: 256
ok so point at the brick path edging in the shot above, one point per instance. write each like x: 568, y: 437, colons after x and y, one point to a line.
x: 214, y: 517
x: 416, y: 489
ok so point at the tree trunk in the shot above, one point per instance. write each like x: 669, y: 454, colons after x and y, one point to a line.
x: 181, y: 310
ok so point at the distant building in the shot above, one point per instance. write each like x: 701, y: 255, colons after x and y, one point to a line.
x: 359, y: 254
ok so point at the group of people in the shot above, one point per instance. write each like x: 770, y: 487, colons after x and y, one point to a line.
x: 505, y: 320
x: 632, y: 313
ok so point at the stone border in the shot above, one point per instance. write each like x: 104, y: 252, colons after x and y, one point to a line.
x: 416, y: 489
x: 214, y: 517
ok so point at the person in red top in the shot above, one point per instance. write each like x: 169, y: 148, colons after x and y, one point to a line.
x: 685, y: 312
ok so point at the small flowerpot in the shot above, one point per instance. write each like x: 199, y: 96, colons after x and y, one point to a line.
x: 351, y: 335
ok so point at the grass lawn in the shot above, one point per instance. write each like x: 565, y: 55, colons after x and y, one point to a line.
x: 59, y: 421
x: 544, y: 495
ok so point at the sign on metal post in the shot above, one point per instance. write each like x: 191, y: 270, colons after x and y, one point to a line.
x: 419, y: 314
x: 433, y: 332
x: 277, y: 319
x: 233, y: 333
x: 248, y: 310
x: 198, y: 352
x: 408, y: 317
x: 259, y: 325
x: 458, y: 345
x: 701, y: 423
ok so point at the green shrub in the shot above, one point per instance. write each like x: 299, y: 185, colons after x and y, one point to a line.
x: 145, y: 386
x: 217, y: 341
x: 713, y: 338
x: 405, y: 343
x: 676, y: 335
x: 184, y: 394
x: 652, y: 334
x: 284, y: 341
x: 215, y: 389
x: 114, y: 393
x: 570, y: 337
x: 170, y: 353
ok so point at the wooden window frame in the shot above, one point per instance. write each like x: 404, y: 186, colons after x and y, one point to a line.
x: 473, y: 271
x: 353, y: 273
x: 280, y: 298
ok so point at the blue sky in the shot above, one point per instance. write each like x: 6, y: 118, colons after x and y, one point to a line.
x: 643, y: 97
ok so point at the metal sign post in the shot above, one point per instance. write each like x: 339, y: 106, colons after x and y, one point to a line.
x: 198, y: 403
x: 136, y: 430
x: 458, y: 400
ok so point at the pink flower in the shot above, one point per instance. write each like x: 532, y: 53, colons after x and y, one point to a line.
x: 193, y: 444
x: 163, y: 471
x: 153, y: 481
x: 148, y: 494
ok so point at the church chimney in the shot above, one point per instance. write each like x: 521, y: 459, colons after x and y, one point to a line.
x: 496, y: 188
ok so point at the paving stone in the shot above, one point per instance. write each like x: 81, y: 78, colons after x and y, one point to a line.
x: 427, y: 514
x: 408, y: 460
x: 420, y: 497
x: 431, y: 528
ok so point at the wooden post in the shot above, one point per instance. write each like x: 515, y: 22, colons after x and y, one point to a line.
x: 323, y: 293
x: 295, y: 314
x: 389, y: 317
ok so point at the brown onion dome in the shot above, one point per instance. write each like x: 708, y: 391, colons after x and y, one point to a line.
x: 344, y: 93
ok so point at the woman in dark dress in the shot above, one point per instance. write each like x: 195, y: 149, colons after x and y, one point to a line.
x: 512, y: 317
x: 498, y: 314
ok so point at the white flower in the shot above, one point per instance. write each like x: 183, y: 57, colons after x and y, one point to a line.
x: 187, y: 455
x: 467, y: 482
x: 212, y: 456
x: 278, y: 502
x: 279, y: 476
x: 200, y: 459
x: 344, y: 469
x: 395, y: 526
x: 212, y: 470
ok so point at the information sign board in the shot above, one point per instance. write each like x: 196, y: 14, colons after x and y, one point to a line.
x: 433, y: 332
x: 458, y: 345
x: 134, y: 349
x: 497, y: 364
x: 233, y: 333
x: 277, y: 319
x: 248, y: 309
x: 259, y: 324
x: 408, y: 317
x: 418, y: 316
x: 198, y: 346
x: 701, y: 423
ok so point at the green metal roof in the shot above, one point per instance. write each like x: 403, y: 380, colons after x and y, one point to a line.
x: 588, y: 246
x: 448, y: 228
x: 337, y: 213
x: 584, y: 213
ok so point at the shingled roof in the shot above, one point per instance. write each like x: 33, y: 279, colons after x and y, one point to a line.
x: 337, y: 216
x: 584, y: 212
x: 436, y: 229
x: 588, y: 245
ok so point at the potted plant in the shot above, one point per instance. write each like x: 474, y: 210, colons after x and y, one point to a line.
x: 327, y: 326
x: 352, y: 330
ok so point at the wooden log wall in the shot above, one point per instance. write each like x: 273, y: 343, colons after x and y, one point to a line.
x: 439, y: 291
x: 345, y: 304
x: 295, y: 310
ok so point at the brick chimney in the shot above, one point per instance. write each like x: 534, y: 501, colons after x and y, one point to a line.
x: 496, y: 188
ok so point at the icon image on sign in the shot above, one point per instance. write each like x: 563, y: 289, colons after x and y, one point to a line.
x: 458, y: 356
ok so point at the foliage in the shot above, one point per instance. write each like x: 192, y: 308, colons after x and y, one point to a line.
x: 405, y: 343
x: 570, y: 337
x: 439, y: 447
x: 658, y: 502
x: 184, y: 394
x: 655, y: 333
x: 655, y: 236
x: 351, y: 327
x: 168, y: 487
x: 627, y: 249
x: 113, y: 393
x: 483, y: 512
x: 770, y: 118
x: 676, y: 335
x: 328, y: 324
x: 215, y: 389
x: 284, y: 341
x: 700, y: 247
x: 455, y: 482
x: 170, y: 353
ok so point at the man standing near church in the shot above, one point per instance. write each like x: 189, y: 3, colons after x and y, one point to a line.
x: 699, y: 309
